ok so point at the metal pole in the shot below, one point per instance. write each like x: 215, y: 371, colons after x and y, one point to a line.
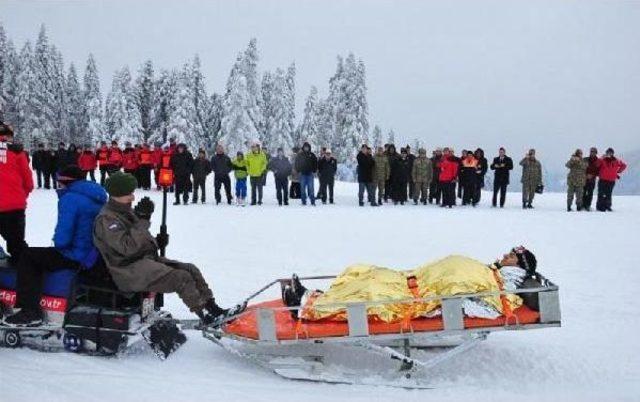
x: 163, y: 225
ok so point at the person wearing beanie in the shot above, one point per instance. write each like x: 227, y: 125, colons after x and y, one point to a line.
x: 79, y: 203
x: 576, y: 179
x: 306, y: 165
x: 281, y: 168
x: 609, y: 170
x: 130, y: 252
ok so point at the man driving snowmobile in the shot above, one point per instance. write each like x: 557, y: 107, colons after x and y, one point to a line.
x: 130, y: 252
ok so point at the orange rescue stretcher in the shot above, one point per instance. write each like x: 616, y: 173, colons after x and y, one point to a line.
x: 267, y: 334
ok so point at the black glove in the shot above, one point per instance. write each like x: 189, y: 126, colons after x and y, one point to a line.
x: 162, y: 239
x: 144, y: 209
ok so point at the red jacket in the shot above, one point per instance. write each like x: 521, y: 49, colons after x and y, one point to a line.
x: 157, y: 156
x: 145, y: 158
x: 102, y: 155
x: 448, y: 170
x: 610, y: 168
x: 129, y: 159
x: 16, y: 180
x: 87, y: 161
x: 115, y: 157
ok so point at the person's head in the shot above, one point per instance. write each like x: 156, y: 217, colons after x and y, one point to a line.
x: 219, y: 149
x: 69, y: 175
x: 609, y: 153
x: 422, y: 152
x: 327, y: 153
x: 121, y: 187
x: 72, y: 147
x: 172, y: 140
x: 61, y: 145
x: 502, y: 151
x: 306, y: 147
x: 364, y: 149
x: 145, y: 146
x: 578, y: 153
x: 593, y: 151
x: 380, y: 151
x: 103, y: 143
x: 280, y: 152
x: 446, y: 152
x: 438, y: 151
x: 479, y: 153
x: 531, y: 154
x: 202, y: 154
x: 391, y: 149
x: 240, y: 155
x: 403, y: 153
x: 181, y: 148
x: 520, y: 257
x: 114, y: 143
x: 127, y: 144
x: 41, y: 146
x: 408, y: 149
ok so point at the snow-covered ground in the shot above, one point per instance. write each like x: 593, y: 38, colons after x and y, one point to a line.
x: 591, y: 256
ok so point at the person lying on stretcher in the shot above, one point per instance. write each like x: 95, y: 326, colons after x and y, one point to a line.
x: 451, y: 275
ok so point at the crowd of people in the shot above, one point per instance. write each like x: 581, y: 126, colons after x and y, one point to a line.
x: 385, y: 176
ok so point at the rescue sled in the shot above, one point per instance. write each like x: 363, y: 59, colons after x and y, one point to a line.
x: 362, y: 350
x: 85, y: 313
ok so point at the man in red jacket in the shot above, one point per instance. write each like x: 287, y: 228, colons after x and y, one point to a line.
x: 115, y: 158
x: 609, y: 170
x: 448, y: 175
x: 102, y: 155
x: 145, y: 164
x: 87, y: 162
x: 16, y: 182
x: 157, y: 159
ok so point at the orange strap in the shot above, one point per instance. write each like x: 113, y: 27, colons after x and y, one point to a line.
x: 412, y: 284
x: 506, y: 306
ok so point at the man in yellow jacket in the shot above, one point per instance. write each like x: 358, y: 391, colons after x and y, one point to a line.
x: 256, y: 167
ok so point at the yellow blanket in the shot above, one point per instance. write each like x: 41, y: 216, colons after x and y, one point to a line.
x: 366, y: 283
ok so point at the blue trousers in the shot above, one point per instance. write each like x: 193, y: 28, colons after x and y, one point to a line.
x: 306, y: 188
x: 241, y: 188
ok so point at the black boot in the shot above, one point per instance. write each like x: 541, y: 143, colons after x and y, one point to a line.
x: 25, y: 318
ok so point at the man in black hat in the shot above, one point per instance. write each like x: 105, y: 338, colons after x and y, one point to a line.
x: 79, y: 203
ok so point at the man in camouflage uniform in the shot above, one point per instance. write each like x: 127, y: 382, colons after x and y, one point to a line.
x: 421, y: 174
x: 531, y: 177
x: 381, y: 172
x: 576, y: 179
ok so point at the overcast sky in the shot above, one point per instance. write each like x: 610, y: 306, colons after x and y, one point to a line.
x: 552, y: 75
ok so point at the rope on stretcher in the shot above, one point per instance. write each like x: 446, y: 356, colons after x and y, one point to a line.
x: 506, y: 305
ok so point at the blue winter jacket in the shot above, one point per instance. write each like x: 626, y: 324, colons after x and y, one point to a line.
x: 78, y: 205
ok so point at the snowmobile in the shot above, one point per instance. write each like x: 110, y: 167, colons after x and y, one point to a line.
x: 85, y: 313
x: 362, y: 350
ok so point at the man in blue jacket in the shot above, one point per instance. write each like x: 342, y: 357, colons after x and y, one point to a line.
x: 79, y: 203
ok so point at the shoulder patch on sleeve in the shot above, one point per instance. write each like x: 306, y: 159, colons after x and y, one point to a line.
x: 115, y: 225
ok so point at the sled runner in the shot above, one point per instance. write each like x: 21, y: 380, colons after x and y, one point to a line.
x: 85, y: 313
x: 363, y: 350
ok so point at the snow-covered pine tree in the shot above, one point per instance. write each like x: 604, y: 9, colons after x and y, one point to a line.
x: 144, y: 96
x: 92, y: 97
x: 310, y: 120
x: 27, y: 125
x: 290, y: 104
x: 44, y: 111
x: 199, y: 98
x: 266, y: 134
x: 249, y: 69
x: 78, y: 133
x: 325, y: 126
x: 122, y: 115
x: 377, y: 136
x: 213, y: 121
x: 9, y: 89
x: 391, y: 137
x: 182, y: 124
x: 163, y: 106
x: 238, y: 128
x: 60, y: 120
x: 4, y: 48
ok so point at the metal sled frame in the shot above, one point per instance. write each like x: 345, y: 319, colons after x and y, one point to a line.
x: 308, y: 364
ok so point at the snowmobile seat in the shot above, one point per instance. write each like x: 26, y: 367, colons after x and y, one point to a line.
x: 57, y: 283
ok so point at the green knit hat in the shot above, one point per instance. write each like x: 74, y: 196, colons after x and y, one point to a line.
x: 120, y: 184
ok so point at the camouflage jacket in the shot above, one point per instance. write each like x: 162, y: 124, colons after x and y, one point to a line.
x: 577, y: 172
x: 422, y: 171
x: 381, y: 169
x: 531, y: 172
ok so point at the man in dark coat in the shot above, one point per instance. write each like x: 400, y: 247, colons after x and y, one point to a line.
x: 281, y: 168
x: 182, y: 164
x: 200, y: 171
x: 50, y: 167
x: 592, y: 174
x: 481, y: 171
x: 502, y: 165
x: 400, y: 174
x: 306, y: 165
x: 435, y: 191
x: 327, y: 168
x: 221, y: 166
x: 366, y: 164
x: 38, y: 161
x: 410, y: 158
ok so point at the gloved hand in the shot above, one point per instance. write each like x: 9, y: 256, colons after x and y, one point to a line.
x: 162, y: 239
x: 144, y: 209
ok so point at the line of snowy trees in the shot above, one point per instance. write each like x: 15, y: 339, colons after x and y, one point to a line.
x: 46, y: 102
